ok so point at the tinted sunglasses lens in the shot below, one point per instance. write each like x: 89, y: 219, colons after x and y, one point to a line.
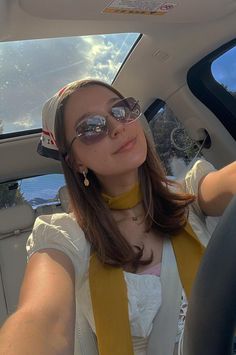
x: 126, y: 110
x: 92, y: 129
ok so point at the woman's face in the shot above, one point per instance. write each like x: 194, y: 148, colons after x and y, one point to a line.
x: 109, y: 156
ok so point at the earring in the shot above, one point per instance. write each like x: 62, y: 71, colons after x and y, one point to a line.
x: 86, y: 180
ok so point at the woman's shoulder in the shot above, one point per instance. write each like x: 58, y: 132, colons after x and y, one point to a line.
x: 195, y: 173
x: 189, y: 178
x: 60, y: 226
x: 62, y: 232
x: 63, y: 221
x: 202, y: 225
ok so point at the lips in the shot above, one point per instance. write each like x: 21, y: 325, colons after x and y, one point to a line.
x: 126, y: 146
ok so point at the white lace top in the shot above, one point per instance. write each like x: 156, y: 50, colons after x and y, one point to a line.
x: 60, y: 231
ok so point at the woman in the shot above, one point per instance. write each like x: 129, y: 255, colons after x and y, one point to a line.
x: 124, y: 213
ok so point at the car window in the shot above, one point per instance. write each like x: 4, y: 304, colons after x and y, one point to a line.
x: 31, y: 71
x: 37, y: 191
x: 174, y: 146
x: 213, y: 81
x: 224, y: 71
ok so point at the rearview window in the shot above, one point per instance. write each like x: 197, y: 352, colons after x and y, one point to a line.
x: 37, y: 191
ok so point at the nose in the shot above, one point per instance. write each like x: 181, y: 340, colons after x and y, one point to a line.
x: 116, y: 127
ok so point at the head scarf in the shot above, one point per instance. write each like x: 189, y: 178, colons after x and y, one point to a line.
x: 47, y: 146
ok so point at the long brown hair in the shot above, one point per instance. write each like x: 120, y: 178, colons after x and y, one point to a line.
x: 166, y: 210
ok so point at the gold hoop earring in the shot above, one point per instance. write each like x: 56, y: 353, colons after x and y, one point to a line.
x: 86, y: 180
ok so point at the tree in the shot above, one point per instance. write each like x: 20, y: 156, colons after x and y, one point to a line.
x: 233, y: 93
x: 10, y: 195
x: 1, y: 126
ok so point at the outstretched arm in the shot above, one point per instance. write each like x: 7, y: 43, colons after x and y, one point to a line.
x: 44, y: 321
x: 216, y: 190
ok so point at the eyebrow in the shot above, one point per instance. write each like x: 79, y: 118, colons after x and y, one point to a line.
x: 111, y: 100
x: 114, y: 99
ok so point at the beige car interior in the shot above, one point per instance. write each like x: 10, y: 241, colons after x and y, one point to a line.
x: 15, y: 227
x: 156, y: 68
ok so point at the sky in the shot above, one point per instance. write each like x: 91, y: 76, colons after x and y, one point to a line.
x: 224, y: 69
x: 32, y: 71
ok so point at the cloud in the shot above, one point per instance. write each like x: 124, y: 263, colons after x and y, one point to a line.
x: 24, y: 123
x: 32, y: 71
x: 101, y: 58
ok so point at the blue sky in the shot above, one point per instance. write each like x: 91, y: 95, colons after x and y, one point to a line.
x: 224, y: 69
x: 32, y: 71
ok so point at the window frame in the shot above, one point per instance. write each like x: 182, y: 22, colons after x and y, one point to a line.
x: 210, y: 92
x: 26, y: 132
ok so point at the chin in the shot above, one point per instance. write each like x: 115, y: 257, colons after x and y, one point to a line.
x: 134, y: 162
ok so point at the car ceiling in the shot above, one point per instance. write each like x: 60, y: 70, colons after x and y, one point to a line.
x: 157, y: 67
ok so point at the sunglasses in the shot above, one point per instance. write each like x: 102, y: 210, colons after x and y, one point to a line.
x: 94, y: 128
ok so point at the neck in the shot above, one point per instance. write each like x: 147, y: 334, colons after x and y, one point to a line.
x: 117, y: 185
x: 126, y: 200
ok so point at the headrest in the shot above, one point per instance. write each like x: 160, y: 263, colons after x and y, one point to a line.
x: 46, y: 209
x: 64, y: 198
x: 16, y: 218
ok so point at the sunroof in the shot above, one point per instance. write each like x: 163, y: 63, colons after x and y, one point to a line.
x: 33, y: 70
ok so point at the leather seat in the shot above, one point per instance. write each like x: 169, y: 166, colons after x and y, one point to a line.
x: 15, y: 227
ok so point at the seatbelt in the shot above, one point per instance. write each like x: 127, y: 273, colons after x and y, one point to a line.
x: 85, y: 339
x: 163, y: 335
x: 188, y: 253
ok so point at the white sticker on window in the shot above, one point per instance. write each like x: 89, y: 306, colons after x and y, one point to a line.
x: 140, y: 7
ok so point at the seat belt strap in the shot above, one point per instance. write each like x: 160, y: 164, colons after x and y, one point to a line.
x: 188, y: 253
x: 164, y: 331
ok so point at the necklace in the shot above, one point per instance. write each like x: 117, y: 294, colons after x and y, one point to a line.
x: 135, y: 214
